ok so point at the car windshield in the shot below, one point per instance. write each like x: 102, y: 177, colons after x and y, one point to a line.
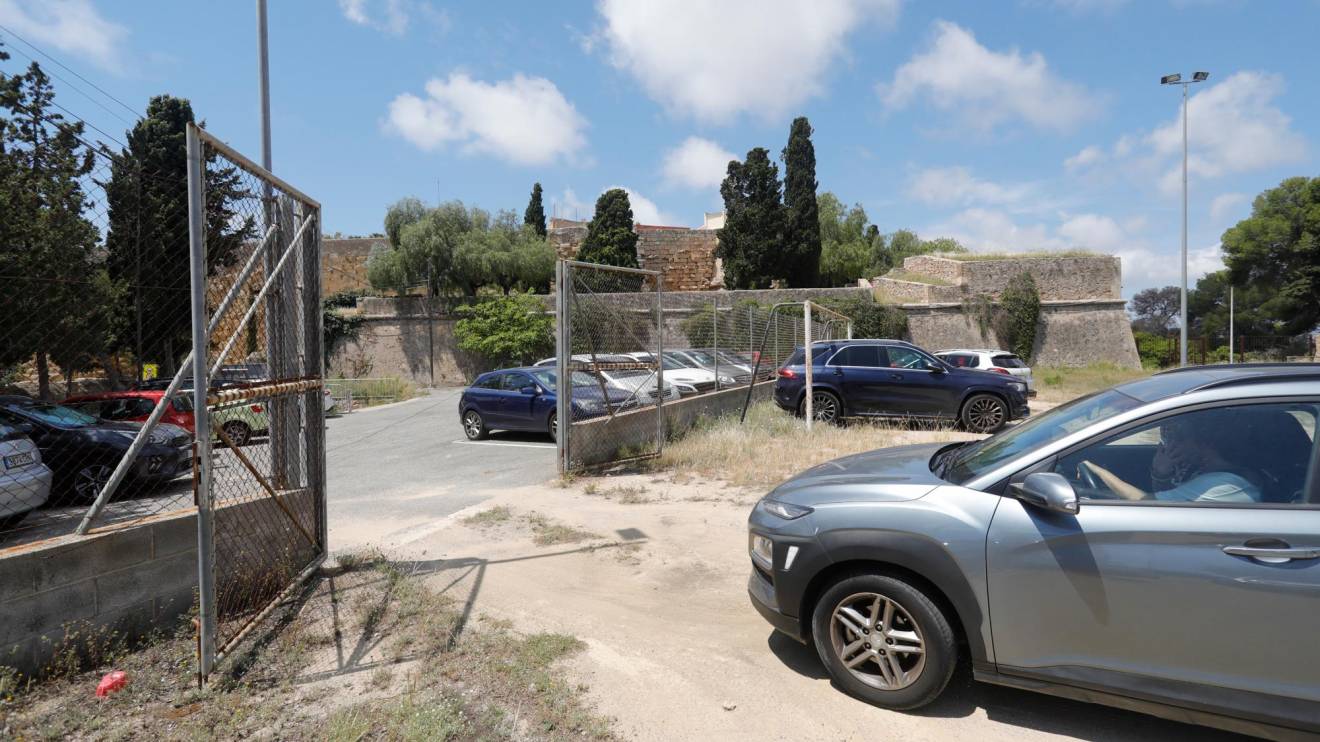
x: 702, y: 357
x: 962, y: 464
x: 57, y: 415
x: 679, y: 360
x: 548, y: 379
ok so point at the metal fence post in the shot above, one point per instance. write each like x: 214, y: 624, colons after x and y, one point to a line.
x: 563, y: 405
x: 660, y: 364
x: 807, y: 359
x: 715, y: 337
x: 205, y: 525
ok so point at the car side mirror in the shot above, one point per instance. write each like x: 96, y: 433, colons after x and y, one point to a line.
x: 934, y: 367
x: 24, y: 428
x: 530, y: 391
x: 1048, y: 491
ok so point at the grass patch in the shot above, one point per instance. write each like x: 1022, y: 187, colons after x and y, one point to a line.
x: 898, y: 274
x: 1059, y: 384
x: 433, y: 678
x: 372, y: 392
x: 774, y: 445
x: 493, y: 516
x: 547, y: 532
x: 972, y: 257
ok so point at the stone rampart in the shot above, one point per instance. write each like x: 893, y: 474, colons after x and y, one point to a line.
x: 1058, y: 278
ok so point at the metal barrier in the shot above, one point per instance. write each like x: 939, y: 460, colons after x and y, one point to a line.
x: 261, y: 504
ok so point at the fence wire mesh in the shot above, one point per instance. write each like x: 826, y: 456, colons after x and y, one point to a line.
x: 645, y: 363
x: 266, y: 400
x: 94, y: 311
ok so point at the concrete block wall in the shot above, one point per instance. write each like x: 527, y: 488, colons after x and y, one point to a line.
x: 128, y: 580
x: 1069, y: 334
x: 913, y: 292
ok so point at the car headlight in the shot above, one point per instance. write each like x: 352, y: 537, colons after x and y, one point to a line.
x: 762, y: 550
x: 728, y: 380
x: 787, y: 511
x: 591, y: 405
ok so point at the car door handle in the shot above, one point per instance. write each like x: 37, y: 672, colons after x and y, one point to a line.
x: 896, y: 377
x: 1284, y: 553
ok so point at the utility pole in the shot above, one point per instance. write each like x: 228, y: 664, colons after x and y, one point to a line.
x: 263, y: 73
x: 1176, y: 79
x: 1230, y: 324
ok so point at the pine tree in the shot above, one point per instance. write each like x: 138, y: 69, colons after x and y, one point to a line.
x: 610, y: 237
x: 800, y: 264
x: 535, y: 214
x: 751, y: 242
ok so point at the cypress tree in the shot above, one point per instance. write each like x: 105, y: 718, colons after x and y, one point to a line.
x: 800, y: 264
x: 750, y: 244
x: 535, y: 214
x: 610, y: 237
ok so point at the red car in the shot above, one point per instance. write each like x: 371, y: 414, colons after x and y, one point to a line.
x: 135, y: 406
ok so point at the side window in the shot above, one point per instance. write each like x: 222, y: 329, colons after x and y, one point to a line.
x: 515, y: 382
x: 1200, y: 456
x: 865, y: 356
x: 493, y: 381
x: 182, y: 402
x: 139, y: 407
x: 961, y: 360
x: 905, y: 358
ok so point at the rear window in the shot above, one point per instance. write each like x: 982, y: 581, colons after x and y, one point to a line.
x: 1008, y: 361
x: 865, y: 356
x: 818, y: 352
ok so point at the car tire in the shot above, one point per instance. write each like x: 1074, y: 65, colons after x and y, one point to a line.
x: 984, y: 413
x: 908, y: 619
x: 89, y: 479
x: 552, y: 426
x: 238, y: 432
x: 474, y: 426
x: 826, y: 407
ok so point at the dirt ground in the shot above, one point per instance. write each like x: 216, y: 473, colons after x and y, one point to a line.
x: 650, y: 573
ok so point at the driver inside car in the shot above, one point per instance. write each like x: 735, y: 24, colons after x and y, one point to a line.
x: 1191, y: 463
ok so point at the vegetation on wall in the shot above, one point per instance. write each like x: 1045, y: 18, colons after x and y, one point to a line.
x: 338, y: 327
x: 871, y: 319
x: 506, y: 330
x: 1019, y: 315
x: 981, y: 309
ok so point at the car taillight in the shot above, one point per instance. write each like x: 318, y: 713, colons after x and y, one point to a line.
x: 787, y: 373
x: 256, y: 408
x: 999, y: 370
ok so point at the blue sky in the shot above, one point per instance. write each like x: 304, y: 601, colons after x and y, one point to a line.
x: 1012, y: 125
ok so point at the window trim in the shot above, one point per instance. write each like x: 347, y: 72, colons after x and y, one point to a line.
x: 1311, y: 501
x: 877, y: 346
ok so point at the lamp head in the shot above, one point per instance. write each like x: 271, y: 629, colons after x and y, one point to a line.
x: 1170, y: 79
x: 1200, y: 76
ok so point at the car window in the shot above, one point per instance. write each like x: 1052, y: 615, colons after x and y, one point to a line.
x: 515, y: 382
x: 864, y: 356
x: 985, y: 455
x: 91, y: 407
x: 960, y: 360
x: 899, y: 357
x: 57, y: 415
x: 818, y: 353
x: 490, y: 381
x: 1008, y: 361
x: 182, y: 402
x: 1199, y: 456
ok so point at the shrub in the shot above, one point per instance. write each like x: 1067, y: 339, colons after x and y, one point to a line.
x: 871, y: 319
x: 506, y: 330
x: 338, y: 327
x: 1019, y: 315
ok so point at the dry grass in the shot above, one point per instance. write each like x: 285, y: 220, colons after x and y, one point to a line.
x: 1057, y: 385
x: 547, y: 532
x: 429, y: 675
x: 898, y: 274
x: 501, y: 514
x: 774, y: 445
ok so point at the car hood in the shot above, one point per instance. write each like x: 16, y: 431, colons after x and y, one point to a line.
x: 883, y: 475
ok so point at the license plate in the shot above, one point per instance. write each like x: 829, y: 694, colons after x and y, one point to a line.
x: 19, y: 459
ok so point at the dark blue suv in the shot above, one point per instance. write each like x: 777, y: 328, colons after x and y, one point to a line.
x: 891, y: 378
x: 524, y: 399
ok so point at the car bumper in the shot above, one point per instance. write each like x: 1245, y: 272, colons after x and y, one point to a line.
x: 762, y: 594
x: 24, y: 490
x: 163, y: 464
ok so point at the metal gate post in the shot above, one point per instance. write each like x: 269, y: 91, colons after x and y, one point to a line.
x: 715, y: 337
x: 205, y: 526
x: 563, y: 405
x: 660, y: 364
x: 807, y: 359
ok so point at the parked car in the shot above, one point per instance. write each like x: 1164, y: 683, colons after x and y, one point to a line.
x: 640, y: 382
x: 892, y: 378
x: 24, y: 480
x: 525, y: 399
x: 1155, y: 546
x: 700, y: 379
x: 83, y: 451
x: 721, y: 363
x: 241, y: 421
x: 994, y: 361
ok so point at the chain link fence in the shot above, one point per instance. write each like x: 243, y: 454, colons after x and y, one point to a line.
x: 637, y: 365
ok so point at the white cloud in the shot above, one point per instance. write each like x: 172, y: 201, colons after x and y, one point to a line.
x: 1089, y: 156
x: 1225, y: 204
x: 392, y: 16
x: 68, y: 26
x: 523, y: 120
x: 1234, y: 127
x: 687, y: 57
x: 569, y: 206
x: 992, y: 230
x: 988, y: 88
x: 645, y: 211
x: 956, y: 185
x: 696, y: 163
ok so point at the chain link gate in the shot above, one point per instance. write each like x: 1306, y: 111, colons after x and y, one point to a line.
x: 255, y: 245
x: 610, y: 385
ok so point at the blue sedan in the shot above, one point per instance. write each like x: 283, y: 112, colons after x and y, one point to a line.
x: 524, y: 399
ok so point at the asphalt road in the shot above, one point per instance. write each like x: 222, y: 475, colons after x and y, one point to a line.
x: 396, y: 472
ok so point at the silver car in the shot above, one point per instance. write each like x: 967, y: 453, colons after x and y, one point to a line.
x: 1155, y: 546
x: 24, y: 480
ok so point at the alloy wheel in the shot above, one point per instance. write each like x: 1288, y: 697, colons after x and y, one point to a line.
x: 824, y: 407
x: 90, y: 480
x: 237, y: 432
x: 472, y: 424
x: 985, y: 414
x: 877, y: 641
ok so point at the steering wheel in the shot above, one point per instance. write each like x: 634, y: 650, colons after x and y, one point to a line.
x: 1088, y: 479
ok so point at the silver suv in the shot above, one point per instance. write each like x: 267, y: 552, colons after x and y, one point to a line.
x: 1155, y: 546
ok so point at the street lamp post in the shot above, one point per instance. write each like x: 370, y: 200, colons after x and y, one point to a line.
x: 1182, y: 320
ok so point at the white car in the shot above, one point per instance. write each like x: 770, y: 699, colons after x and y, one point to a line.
x: 724, y: 363
x: 24, y: 480
x: 640, y: 381
x: 995, y: 361
x: 703, y: 380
